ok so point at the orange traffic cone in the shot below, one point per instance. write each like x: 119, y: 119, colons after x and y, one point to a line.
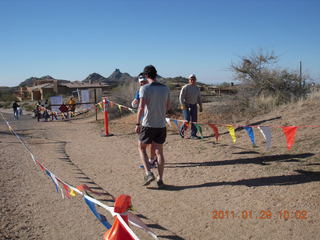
x: 118, y: 231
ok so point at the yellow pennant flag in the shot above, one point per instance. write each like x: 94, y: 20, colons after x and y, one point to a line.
x: 232, y: 133
x: 119, y: 106
x: 72, y: 193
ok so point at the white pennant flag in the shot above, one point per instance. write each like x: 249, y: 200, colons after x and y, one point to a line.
x: 168, y: 121
x: 56, y: 182
x: 266, y: 133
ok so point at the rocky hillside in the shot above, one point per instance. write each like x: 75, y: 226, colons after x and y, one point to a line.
x: 30, y: 81
x: 95, y: 78
x: 116, y: 77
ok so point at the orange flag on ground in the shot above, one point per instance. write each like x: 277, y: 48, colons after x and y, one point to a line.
x: 215, y: 130
x: 290, y: 133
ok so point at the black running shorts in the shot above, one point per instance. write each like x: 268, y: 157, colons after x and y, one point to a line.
x: 148, y: 135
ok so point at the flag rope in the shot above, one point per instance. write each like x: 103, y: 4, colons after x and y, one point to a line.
x: 53, y: 176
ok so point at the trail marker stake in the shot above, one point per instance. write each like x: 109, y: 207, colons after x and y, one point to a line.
x: 106, y: 119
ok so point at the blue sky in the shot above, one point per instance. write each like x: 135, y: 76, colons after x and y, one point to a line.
x: 69, y: 39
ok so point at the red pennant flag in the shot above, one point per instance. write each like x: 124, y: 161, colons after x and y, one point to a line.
x: 290, y: 133
x: 215, y: 130
x: 41, y: 166
x: 67, y: 190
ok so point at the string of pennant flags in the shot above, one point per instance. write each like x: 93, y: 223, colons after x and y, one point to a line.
x: 288, y: 131
x: 82, y: 190
x: 68, y: 191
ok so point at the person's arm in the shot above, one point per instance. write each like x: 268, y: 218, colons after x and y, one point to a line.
x: 182, y: 98
x: 135, y: 101
x: 139, y: 114
x: 199, y: 101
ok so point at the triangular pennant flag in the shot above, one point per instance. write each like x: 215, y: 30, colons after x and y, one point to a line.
x: 111, y: 103
x: 232, y: 133
x: 176, y: 123
x: 54, y: 180
x: 69, y: 190
x: 215, y: 130
x: 34, y: 160
x: 120, y: 109
x: 168, y: 121
x: 198, y: 126
x: 41, y: 166
x: 266, y: 133
x: 251, y: 134
x: 100, y: 106
x: 99, y: 216
x: 10, y: 128
x: 290, y: 133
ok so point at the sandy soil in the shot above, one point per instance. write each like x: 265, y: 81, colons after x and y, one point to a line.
x: 215, y: 190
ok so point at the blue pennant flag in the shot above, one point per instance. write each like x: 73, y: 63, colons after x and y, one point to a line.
x: 176, y: 123
x: 49, y: 174
x: 250, y: 133
x: 100, y: 217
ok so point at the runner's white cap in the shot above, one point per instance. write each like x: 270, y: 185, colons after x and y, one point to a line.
x: 192, y: 76
x: 141, y: 79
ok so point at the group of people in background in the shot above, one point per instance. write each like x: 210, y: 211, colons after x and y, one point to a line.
x: 153, y: 101
x: 43, y: 110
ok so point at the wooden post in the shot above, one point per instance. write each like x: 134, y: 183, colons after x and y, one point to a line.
x: 95, y: 103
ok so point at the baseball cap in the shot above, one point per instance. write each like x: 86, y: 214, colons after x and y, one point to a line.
x: 192, y: 76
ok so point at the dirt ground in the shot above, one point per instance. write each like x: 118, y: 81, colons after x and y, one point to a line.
x: 214, y: 190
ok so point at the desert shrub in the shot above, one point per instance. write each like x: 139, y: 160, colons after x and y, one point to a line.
x: 124, y: 93
x: 7, y: 97
x: 175, y: 104
x: 259, y: 73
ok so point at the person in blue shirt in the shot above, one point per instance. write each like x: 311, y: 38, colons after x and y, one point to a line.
x: 142, y: 81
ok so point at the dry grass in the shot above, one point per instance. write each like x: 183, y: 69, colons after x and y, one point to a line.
x: 244, y: 106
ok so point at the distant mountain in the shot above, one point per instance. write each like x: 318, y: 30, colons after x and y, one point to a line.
x: 95, y: 78
x: 115, y: 78
x: 118, y: 76
x: 32, y: 80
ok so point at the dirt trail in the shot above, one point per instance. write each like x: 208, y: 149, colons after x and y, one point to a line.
x: 215, y: 190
